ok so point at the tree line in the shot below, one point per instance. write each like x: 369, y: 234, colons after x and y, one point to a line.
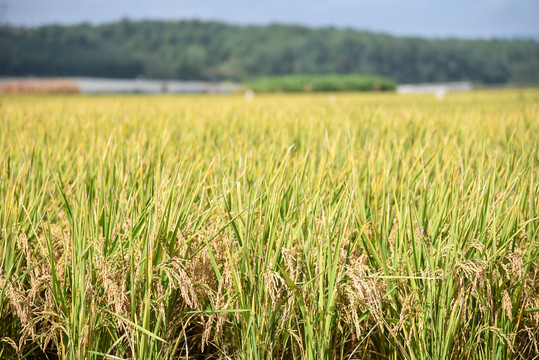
x: 203, y: 50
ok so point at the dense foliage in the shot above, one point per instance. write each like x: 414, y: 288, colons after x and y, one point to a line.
x: 216, y: 51
x: 310, y: 83
x: 368, y: 226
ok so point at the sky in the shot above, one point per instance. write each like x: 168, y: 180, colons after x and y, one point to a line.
x: 429, y: 18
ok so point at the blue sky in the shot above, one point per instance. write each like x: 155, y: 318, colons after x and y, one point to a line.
x: 432, y: 18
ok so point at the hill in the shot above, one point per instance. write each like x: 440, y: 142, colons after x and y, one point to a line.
x: 216, y: 51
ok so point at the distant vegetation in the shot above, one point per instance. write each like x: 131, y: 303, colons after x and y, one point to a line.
x: 215, y: 51
x: 308, y: 83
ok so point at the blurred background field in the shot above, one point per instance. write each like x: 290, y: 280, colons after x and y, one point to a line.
x: 39, y: 86
x: 319, y: 83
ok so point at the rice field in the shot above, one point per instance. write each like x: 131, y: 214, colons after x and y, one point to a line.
x: 348, y: 226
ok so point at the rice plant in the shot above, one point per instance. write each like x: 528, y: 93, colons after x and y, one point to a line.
x: 355, y: 226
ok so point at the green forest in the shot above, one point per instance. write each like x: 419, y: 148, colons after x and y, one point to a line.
x: 199, y: 50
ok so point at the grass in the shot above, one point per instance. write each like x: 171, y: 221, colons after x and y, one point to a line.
x: 329, y: 82
x: 370, y: 226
